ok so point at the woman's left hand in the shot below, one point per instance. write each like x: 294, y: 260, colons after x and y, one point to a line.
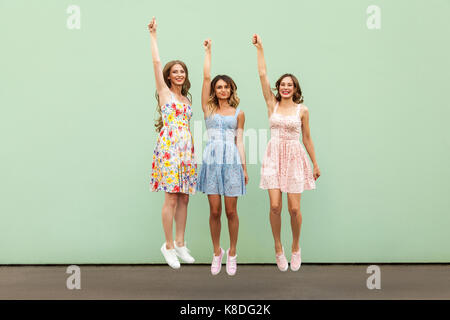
x: 316, y: 173
x: 246, y: 177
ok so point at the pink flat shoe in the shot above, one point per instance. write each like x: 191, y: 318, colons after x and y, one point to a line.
x: 217, y: 263
x: 282, y: 261
x: 231, y: 264
x: 296, y: 260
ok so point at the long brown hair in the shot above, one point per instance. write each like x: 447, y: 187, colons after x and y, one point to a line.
x: 213, y: 101
x: 298, y: 96
x: 184, y: 89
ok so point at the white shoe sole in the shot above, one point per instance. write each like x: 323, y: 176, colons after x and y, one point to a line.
x: 296, y: 269
x: 284, y: 269
x: 185, y: 260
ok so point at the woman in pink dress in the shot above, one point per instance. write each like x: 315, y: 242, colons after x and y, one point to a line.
x: 285, y: 167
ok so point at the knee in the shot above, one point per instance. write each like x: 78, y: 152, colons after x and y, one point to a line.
x: 231, y: 213
x: 215, y: 213
x: 184, y: 200
x: 275, y: 208
x: 294, y: 211
x: 171, y: 203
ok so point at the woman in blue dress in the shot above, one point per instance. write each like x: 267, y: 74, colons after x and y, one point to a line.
x: 223, y: 171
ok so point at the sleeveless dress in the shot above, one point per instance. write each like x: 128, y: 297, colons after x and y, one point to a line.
x: 221, y: 171
x: 285, y: 165
x: 174, y: 168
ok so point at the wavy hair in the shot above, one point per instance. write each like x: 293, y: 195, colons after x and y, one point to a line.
x: 298, y: 96
x: 184, y: 89
x: 213, y: 101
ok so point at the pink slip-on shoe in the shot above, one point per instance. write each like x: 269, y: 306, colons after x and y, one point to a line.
x: 217, y: 263
x: 282, y: 261
x: 231, y: 264
x: 296, y: 260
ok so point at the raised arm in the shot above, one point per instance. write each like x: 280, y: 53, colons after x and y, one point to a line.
x: 262, y: 70
x: 206, y: 88
x: 240, y: 142
x: 161, y: 87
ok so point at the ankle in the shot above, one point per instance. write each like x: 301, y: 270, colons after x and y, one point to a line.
x: 180, y: 243
x: 278, y: 249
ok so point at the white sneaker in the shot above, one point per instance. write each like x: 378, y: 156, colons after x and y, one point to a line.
x: 183, y: 253
x: 170, y: 256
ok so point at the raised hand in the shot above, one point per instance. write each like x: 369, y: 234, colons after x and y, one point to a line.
x: 152, y: 26
x: 206, y: 88
x: 207, y: 44
x: 256, y: 40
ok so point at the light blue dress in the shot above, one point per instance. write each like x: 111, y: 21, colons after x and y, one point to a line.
x: 221, y: 171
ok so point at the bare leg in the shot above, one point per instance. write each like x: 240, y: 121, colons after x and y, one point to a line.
x: 180, y: 218
x: 168, y: 212
x: 275, y: 217
x: 296, y: 219
x: 233, y: 222
x: 215, y: 211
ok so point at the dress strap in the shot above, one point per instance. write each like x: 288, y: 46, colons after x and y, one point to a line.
x: 237, y: 112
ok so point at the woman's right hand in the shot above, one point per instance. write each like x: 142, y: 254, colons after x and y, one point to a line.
x: 152, y: 26
x: 207, y: 44
x: 256, y: 40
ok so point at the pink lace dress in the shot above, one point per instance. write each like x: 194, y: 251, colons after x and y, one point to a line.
x: 285, y: 165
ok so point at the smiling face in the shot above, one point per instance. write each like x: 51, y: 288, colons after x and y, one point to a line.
x: 222, y: 90
x: 286, y: 88
x: 177, y: 75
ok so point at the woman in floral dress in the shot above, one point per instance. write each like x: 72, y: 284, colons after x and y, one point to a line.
x: 174, y: 170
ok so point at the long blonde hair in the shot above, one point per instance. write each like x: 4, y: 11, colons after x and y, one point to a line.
x: 184, y: 89
x: 213, y: 101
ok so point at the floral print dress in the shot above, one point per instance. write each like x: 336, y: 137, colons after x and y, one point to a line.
x: 174, y: 168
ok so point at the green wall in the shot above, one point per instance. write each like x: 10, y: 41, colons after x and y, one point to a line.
x: 77, y: 135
